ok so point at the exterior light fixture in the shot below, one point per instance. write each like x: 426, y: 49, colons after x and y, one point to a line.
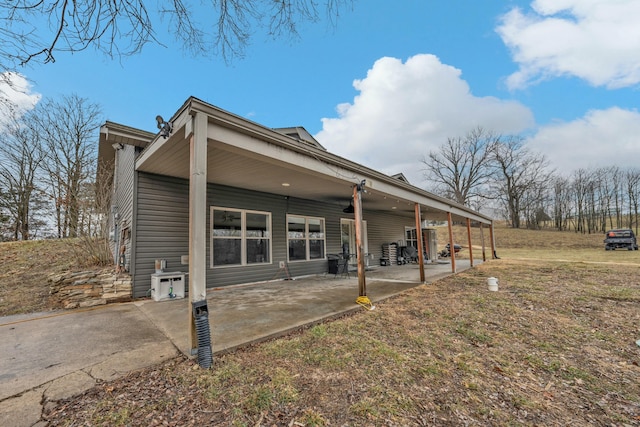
x: 165, y: 127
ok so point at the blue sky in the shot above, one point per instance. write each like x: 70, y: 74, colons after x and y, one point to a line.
x: 393, y: 80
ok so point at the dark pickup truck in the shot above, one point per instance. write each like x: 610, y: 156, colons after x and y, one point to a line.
x: 620, y: 238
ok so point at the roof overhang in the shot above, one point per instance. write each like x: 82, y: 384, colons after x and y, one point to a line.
x: 244, y: 154
x: 111, y: 135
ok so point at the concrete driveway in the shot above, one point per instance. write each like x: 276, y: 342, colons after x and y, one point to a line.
x: 50, y: 356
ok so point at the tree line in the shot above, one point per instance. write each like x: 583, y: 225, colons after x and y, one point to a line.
x: 489, y: 171
x: 48, y: 159
x: 48, y: 155
x: 47, y: 171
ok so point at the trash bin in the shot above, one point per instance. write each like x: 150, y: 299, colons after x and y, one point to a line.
x: 333, y: 263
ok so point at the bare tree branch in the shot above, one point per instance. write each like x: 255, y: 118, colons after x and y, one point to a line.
x: 35, y: 30
x: 461, y: 167
x: 522, y: 177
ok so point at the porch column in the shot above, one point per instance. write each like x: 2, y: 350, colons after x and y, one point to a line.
x: 197, y: 218
x: 493, y: 242
x: 469, y: 238
x: 419, y: 237
x: 357, y: 210
x: 452, y: 251
x: 484, y: 255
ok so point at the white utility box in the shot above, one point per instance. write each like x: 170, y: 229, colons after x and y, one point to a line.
x: 167, y: 286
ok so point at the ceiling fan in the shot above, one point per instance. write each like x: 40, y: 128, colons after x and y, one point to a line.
x: 226, y: 216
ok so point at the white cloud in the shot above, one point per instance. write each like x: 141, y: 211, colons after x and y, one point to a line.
x: 595, y: 40
x: 405, y: 110
x: 15, y: 96
x: 601, y: 138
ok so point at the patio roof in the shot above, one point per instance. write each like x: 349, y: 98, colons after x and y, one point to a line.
x: 244, y: 154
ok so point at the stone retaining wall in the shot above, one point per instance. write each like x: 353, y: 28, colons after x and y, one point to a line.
x: 89, y: 288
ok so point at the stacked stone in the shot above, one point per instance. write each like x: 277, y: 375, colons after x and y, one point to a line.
x: 89, y: 288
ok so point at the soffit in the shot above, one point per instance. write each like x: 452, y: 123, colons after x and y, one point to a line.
x: 244, y: 154
x: 227, y: 165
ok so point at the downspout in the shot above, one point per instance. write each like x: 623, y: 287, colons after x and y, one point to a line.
x: 114, y: 204
x: 134, y: 227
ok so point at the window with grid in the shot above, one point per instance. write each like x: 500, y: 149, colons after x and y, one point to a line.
x: 305, y: 238
x: 240, y: 237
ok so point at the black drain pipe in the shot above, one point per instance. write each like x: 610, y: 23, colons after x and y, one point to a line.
x: 201, y: 318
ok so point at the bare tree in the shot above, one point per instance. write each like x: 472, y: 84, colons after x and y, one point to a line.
x: 581, y: 184
x: 21, y: 158
x: 461, y: 168
x: 68, y: 130
x: 562, y: 206
x: 34, y: 30
x: 520, y: 174
x: 632, y: 179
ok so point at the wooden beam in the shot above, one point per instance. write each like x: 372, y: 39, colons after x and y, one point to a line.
x: 493, y: 242
x: 197, y: 217
x: 357, y: 210
x: 419, y: 238
x: 484, y: 255
x: 452, y: 250
x: 469, y: 239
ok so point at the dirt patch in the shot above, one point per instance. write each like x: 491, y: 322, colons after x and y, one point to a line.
x: 24, y: 268
x: 556, y: 345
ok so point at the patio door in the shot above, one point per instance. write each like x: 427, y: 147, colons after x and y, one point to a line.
x: 348, y: 238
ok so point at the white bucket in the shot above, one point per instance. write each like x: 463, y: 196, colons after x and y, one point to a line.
x: 493, y: 283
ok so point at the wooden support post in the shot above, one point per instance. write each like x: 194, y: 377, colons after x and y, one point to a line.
x: 493, y: 242
x: 419, y: 239
x: 357, y: 210
x: 197, y: 217
x: 484, y: 255
x: 452, y: 250
x: 469, y: 238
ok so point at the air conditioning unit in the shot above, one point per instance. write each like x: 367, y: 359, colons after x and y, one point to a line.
x: 167, y: 286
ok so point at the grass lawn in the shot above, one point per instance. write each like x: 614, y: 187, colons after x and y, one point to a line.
x: 555, y: 346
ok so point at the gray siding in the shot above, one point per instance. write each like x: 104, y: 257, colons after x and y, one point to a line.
x: 162, y: 230
x: 162, y: 227
x: 384, y: 228
x: 124, y: 195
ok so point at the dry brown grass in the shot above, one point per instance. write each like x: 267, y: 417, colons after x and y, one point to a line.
x: 555, y: 346
x: 24, y: 268
x: 538, y: 244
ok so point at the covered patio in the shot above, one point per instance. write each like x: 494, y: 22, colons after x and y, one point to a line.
x: 245, y: 314
x: 204, y: 151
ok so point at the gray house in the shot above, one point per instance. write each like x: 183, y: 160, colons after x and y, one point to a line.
x: 230, y: 201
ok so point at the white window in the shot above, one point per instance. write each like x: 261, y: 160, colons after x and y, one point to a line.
x: 305, y: 238
x: 411, y: 236
x: 240, y: 237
